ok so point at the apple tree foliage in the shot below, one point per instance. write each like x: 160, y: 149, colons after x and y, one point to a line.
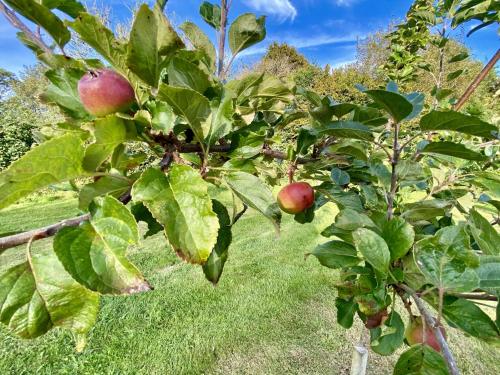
x: 416, y: 186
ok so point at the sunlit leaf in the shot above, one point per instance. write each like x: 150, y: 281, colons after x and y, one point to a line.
x: 152, y: 40
x: 255, y: 194
x: 200, y: 41
x: 245, y: 31
x: 459, y: 122
x: 94, y: 253
x: 373, y: 248
x: 57, y: 160
x: 180, y: 202
x: 447, y: 261
x: 39, y: 294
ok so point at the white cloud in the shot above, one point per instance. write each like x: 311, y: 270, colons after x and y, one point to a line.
x: 345, y: 3
x: 305, y: 42
x: 280, y: 8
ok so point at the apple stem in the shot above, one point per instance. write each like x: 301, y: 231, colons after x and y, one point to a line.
x: 291, y: 172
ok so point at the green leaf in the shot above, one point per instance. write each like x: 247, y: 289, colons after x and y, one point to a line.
x: 347, y: 129
x: 115, y: 186
x: 485, y: 235
x: 220, y: 120
x: 441, y: 94
x: 200, y: 41
x: 425, y: 210
x: 95, y: 252
x: 452, y: 149
x: 39, y: 294
x: 306, y: 138
x: 182, y: 73
x: 42, y: 16
x: 163, y: 117
x: 349, y: 219
x: 417, y: 100
x: 191, y: 105
x: 101, y: 39
x: 340, y: 177
x: 336, y: 254
x: 180, y: 202
x: 63, y: 91
x: 395, y: 104
x: 399, y: 236
x: 352, y: 148
x: 468, y: 317
x: 245, y: 31
x: 459, y: 57
x: 420, y: 360
x: 215, y: 264
x: 211, y: 13
x: 489, y: 273
x: 152, y: 41
x: 386, y: 339
x: 71, y: 7
x: 255, y: 194
x: 345, y: 311
x: 57, y: 160
x: 459, y: 122
x: 373, y: 248
x: 454, y: 75
x: 345, y: 199
x: 447, y: 261
x: 109, y: 132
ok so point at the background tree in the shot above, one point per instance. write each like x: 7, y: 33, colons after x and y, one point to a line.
x: 22, y: 112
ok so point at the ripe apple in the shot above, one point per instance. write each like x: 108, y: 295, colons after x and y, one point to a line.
x: 104, y: 91
x: 415, y: 334
x: 376, y: 320
x: 296, y: 197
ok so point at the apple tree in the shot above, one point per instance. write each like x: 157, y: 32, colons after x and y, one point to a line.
x: 416, y: 186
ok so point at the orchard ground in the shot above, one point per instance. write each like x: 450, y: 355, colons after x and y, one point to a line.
x: 272, y: 313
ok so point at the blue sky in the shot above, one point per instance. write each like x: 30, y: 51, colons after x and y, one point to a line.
x: 325, y: 31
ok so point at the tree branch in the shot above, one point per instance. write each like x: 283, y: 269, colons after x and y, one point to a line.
x: 222, y: 37
x: 394, y: 176
x: 475, y: 296
x: 474, y: 84
x: 186, y: 148
x: 18, y: 24
x: 431, y: 322
x: 40, y: 233
x: 48, y: 231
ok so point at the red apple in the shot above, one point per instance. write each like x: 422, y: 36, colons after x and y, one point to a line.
x: 376, y: 320
x: 415, y: 334
x: 104, y: 91
x: 296, y: 197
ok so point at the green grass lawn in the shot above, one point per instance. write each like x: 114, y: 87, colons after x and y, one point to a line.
x: 272, y: 313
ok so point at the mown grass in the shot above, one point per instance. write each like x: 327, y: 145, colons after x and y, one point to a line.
x: 272, y: 313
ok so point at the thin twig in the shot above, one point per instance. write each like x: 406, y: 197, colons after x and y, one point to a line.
x: 431, y: 322
x: 474, y: 84
x: 18, y: 24
x: 478, y: 297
